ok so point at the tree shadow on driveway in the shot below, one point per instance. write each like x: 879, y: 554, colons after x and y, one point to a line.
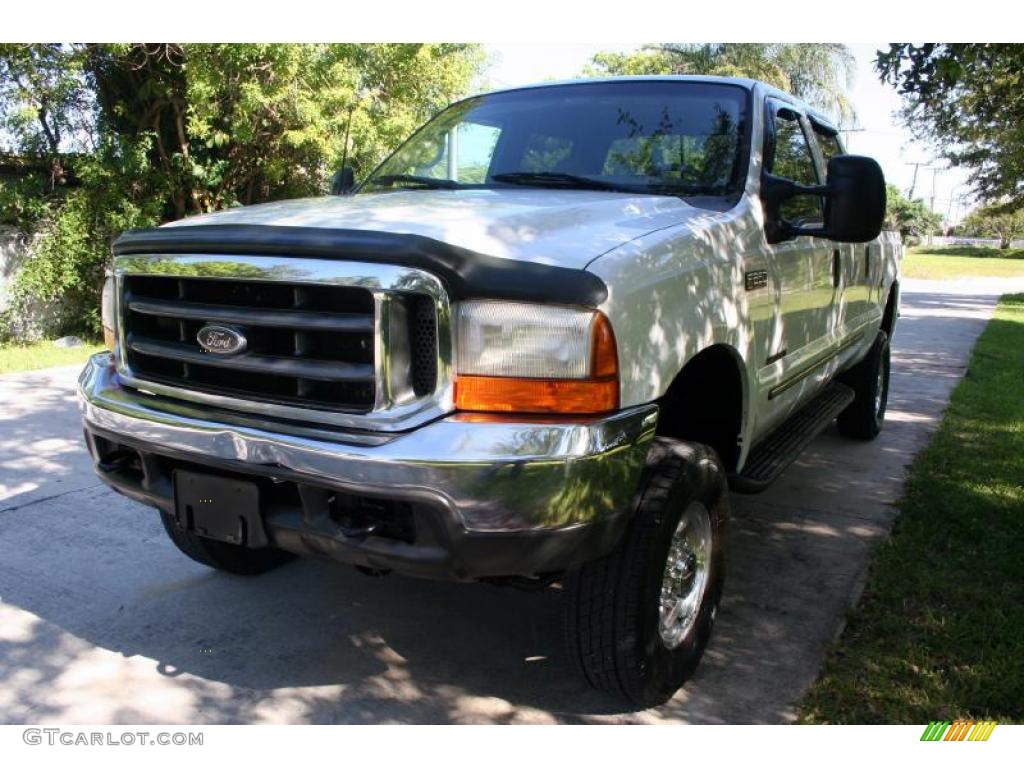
x: 102, y: 620
x: 126, y: 625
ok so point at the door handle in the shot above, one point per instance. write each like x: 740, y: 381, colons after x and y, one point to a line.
x: 836, y: 266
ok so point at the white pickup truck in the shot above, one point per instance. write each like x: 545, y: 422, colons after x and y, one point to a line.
x: 538, y: 344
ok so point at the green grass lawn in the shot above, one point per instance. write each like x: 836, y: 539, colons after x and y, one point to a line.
x: 952, y: 262
x: 939, y: 631
x: 42, y: 354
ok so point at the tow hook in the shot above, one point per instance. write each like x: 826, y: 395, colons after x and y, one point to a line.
x: 116, y: 461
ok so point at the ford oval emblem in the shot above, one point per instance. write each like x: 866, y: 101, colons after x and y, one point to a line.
x: 220, y: 340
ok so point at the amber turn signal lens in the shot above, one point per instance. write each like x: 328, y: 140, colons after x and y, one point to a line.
x: 108, y: 339
x: 495, y: 394
x: 599, y: 393
x: 604, y: 357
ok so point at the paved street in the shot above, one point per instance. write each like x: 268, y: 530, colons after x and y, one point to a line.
x: 103, y: 621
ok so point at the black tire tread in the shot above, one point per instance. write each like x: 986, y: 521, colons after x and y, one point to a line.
x: 221, y: 555
x: 597, y: 629
x: 858, y: 420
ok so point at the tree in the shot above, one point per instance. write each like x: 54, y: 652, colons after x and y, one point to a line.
x: 222, y: 124
x: 44, y: 105
x: 994, y: 221
x: 158, y: 131
x: 911, y: 218
x: 819, y: 73
x: 245, y: 123
x: 968, y: 99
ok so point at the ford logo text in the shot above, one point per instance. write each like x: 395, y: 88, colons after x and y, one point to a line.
x: 220, y: 340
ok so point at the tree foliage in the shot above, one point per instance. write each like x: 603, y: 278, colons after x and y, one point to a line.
x: 911, y: 218
x: 44, y: 107
x: 968, y: 99
x: 994, y: 221
x: 155, y: 132
x: 819, y: 73
x: 245, y: 123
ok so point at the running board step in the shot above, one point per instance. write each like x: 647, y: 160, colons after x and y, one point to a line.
x: 781, y: 448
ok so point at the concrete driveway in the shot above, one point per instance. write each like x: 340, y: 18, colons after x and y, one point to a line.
x: 103, y: 621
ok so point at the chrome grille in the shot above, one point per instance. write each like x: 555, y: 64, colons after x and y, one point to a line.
x: 307, y: 345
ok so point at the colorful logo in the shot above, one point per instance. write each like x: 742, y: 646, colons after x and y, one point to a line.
x: 959, y: 730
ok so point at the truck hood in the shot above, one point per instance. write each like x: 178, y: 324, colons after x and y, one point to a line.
x: 567, y: 228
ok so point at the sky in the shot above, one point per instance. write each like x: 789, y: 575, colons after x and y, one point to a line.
x: 879, y: 135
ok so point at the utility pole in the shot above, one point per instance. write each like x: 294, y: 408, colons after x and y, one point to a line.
x: 961, y: 208
x: 953, y: 197
x: 913, y: 184
x: 931, y: 204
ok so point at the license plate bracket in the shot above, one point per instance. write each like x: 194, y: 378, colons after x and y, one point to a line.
x: 219, y: 508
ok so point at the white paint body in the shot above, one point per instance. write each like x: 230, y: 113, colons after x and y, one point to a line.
x: 675, y: 274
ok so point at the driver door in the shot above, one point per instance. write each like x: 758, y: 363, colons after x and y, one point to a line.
x: 802, y: 268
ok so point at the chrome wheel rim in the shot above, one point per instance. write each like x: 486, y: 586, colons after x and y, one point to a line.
x: 685, y: 578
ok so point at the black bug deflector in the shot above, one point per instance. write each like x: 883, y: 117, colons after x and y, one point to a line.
x: 465, y: 273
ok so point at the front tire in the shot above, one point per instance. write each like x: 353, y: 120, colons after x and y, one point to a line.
x: 231, y: 558
x: 864, y: 417
x: 637, y: 621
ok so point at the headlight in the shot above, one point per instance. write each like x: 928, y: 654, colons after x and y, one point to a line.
x: 531, y: 358
x: 108, y: 312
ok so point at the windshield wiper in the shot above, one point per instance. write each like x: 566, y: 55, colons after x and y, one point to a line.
x: 571, y: 180
x: 568, y: 180
x: 683, y: 191
x: 407, y: 178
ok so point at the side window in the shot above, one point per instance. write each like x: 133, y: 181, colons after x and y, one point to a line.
x: 828, y: 143
x: 792, y: 159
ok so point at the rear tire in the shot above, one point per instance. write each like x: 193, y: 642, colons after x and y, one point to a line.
x: 869, y: 379
x: 231, y: 558
x: 637, y: 621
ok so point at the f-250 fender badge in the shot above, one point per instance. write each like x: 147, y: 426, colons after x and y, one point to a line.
x: 757, y: 278
x: 220, y: 340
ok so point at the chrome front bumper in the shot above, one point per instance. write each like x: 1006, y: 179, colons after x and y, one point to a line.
x: 485, y: 476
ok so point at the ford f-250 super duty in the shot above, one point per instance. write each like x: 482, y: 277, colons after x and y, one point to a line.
x: 538, y: 343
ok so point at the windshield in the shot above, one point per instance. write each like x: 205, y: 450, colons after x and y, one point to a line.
x: 657, y: 137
